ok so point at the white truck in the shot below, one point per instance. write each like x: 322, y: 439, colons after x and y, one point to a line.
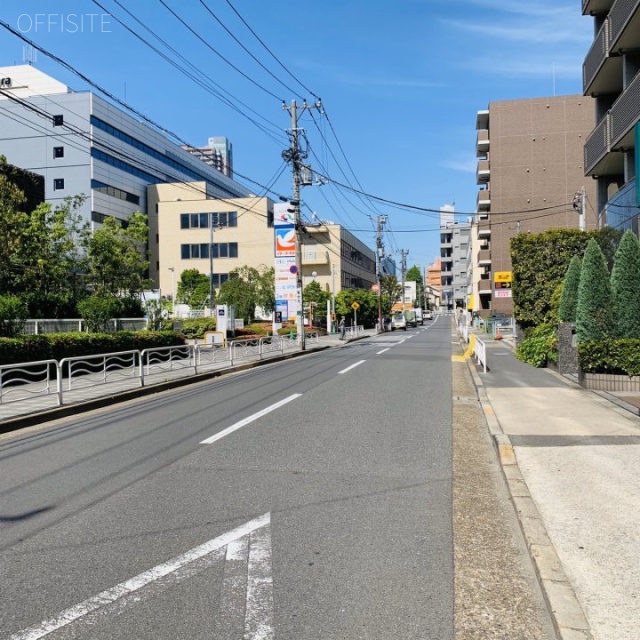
x: 419, y: 316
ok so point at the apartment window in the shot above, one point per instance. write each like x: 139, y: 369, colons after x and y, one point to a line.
x: 204, y: 220
x: 58, y: 121
x: 218, y: 250
x: 58, y: 152
x: 58, y: 184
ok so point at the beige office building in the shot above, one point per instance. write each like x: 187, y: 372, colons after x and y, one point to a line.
x: 182, y: 237
x: 530, y: 168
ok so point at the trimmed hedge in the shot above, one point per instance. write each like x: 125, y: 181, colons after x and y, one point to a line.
x: 56, y: 346
x: 621, y: 357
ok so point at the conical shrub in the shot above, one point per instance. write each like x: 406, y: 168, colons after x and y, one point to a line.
x: 625, y: 287
x: 569, y: 297
x: 594, y: 311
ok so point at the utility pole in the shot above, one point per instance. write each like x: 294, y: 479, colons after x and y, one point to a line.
x: 580, y: 204
x: 379, y: 256
x: 295, y: 155
x: 403, y: 266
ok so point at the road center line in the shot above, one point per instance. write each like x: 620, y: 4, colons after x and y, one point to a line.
x: 379, y: 352
x: 251, y: 418
x: 351, y: 367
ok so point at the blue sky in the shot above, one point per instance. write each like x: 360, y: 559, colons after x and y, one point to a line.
x: 400, y: 80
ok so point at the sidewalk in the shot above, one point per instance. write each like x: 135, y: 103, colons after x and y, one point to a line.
x: 38, y: 407
x: 571, y: 458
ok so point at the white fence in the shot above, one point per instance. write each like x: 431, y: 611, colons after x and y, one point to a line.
x: 26, y: 381
x: 37, y: 327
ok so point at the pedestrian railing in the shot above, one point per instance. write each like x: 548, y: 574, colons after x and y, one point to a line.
x: 353, y: 332
x: 19, y: 382
x: 25, y: 381
x: 480, y: 352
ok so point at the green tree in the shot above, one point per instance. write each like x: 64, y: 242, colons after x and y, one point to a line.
x: 569, y: 297
x: 266, y: 288
x: 625, y: 287
x: 540, y: 263
x: 392, y: 290
x: 96, y: 311
x: 314, y: 293
x: 193, y: 288
x: 117, y: 257
x: 13, y: 313
x: 366, y: 315
x: 594, y: 313
x: 413, y: 274
x: 240, y: 291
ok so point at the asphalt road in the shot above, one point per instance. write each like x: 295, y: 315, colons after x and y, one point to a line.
x: 351, y: 493
x: 305, y: 499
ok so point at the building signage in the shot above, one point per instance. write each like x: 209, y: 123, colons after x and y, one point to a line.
x: 502, y: 293
x: 286, y: 284
x: 502, y: 279
x: 5, y: 83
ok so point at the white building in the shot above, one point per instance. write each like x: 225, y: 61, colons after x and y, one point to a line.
x: 83, y: 144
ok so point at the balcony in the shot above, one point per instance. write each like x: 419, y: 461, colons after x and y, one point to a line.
x: 482, y: 172
x: 315, y: 257
x: 624, y: 114
x: 596, y: 7
x: 482, y: 119
x: 484, y: 258
x: 601, y: 73
x: 482, y: 143
x: 484, y: 287
x: 624, y: 19
x: 483, y: 201
x: 484, y: 231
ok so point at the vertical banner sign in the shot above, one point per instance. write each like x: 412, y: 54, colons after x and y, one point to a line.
x: 502, y: 284
x: 285, y: 261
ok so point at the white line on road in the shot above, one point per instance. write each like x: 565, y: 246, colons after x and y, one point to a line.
x: 351, y: 367
x: 172, y: 570
x: 379, y: 352
x: 246, y: 421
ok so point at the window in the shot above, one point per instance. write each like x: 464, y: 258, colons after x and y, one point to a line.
x: 58, y: 152
x: 201, y: 251
x: 203, y: 220
x: 184, y: 220
x: 204, y: 250
x: 58, y: 121
x: 58, y: 184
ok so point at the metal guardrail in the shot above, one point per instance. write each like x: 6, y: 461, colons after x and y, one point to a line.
x: 33, y: 378
x: 24, y: 381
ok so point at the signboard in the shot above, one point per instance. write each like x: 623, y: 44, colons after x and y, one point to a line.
x: 502, y: 293
x: 355, y: 306
x: 286, y: 271
x: 502, y: 280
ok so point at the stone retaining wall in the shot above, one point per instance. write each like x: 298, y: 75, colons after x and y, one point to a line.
x: 610, y: 382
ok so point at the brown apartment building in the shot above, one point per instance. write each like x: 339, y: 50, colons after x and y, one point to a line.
x: 530, y: 168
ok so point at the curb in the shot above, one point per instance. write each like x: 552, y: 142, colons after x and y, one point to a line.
x: 567, y: 614
x: 37, y: 417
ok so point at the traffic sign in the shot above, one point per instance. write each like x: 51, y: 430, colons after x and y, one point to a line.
x: 355, y: 306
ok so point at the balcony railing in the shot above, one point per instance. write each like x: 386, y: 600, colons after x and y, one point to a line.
x: 315, y: 257
x: 484, y: 286
x: 596, y: 56
x: 482, y: 172
x: 484, y: 257
x: 596, y: 7
x: 597, y: 145
x: 482, y: 143
x: 625, y: 112
x: 483, y: 202
x: 621, y: 14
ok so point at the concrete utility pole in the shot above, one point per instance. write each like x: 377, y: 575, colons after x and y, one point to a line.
x: 379, y: 256
x: 403, y: 266
x: 295, y: 155
x: 580, y: 205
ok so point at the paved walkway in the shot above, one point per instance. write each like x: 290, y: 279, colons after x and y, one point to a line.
x: 572, y: 462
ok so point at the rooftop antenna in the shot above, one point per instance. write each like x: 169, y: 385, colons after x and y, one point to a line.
x: 29, y: 55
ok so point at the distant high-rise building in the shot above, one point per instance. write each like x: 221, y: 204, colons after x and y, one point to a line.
x: 611, y: 74
x: 217, y: 154
x: 454, y: 251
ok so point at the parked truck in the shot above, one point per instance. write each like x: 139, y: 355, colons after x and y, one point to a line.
x: 419, y: 316
x: 410, y: 317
